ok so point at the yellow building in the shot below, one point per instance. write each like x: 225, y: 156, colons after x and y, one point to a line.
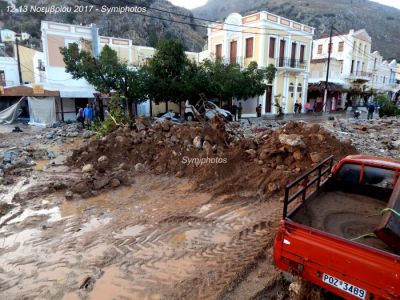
x: 26, y: 56
x: 267, y: 39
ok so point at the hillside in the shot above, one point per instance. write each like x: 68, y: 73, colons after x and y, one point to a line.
x: 381, y: 22
x: 142, y: 30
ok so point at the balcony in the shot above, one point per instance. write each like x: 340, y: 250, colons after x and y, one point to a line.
x: 360, y: 75
x: 290, y: 63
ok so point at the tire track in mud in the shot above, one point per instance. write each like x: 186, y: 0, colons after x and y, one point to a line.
x: 183, y: 245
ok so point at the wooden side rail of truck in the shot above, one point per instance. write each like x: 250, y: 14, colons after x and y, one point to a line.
x: 340, y: 230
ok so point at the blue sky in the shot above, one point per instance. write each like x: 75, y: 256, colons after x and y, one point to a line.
x: 189, y: 4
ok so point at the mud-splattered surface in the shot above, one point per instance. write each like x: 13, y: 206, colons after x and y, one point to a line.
x: 156, y: 238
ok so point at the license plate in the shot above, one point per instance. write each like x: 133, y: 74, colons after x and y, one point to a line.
x: 344, y: 286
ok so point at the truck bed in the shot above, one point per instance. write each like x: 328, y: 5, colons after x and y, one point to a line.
x: 343, y: 214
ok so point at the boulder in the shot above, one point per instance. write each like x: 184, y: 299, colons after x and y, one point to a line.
x: 315, y: 157
x: 251, y: 152
x: 197, y: 142
x: 297, y: 155
x: 87, y: 168
x: 103, y: 159
x: 100, y: 183
x: 292, y: 140
x: 80, y: 187
x: 115, y: 183
x: 69, y: 195
x: 139, y: 167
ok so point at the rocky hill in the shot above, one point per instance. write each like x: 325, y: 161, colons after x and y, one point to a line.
x: 141, y: 29
x: 381, y: 22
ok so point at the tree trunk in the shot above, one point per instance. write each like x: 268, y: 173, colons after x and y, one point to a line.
x: 166, y: 105
x: 129, y: 105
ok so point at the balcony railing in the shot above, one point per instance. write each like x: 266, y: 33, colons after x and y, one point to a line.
x: 360, y: 75
x: 290, y: 63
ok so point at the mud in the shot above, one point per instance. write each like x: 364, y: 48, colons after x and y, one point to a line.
x: 141, y: 224
x: 346, y: 215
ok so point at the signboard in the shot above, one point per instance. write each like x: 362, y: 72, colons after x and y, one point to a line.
x: 38, y: 89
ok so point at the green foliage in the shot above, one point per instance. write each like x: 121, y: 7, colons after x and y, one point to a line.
x: 165, y: 72
x: 115, y: 117
x: 105, y: 73
x: 387, y: 107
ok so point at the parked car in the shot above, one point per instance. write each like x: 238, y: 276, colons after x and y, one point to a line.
x: 211, y: 110
x: 340, y: 229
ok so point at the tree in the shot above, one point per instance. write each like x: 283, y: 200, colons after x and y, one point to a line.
x: 227, y: 81
x: 105, y: 73
x: 166, y: 72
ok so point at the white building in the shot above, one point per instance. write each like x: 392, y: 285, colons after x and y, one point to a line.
x: 361, y: 72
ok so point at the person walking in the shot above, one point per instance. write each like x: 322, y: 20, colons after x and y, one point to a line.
x: 239, y: 110
x: 88, y: 113
x: 234, y: 111
x: 371, y: 109
x: 296, y: 108
x: 258, y: 111
x: 80, y: 117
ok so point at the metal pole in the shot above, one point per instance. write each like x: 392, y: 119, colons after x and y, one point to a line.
x: 19, y: 62
x: 327, y: 69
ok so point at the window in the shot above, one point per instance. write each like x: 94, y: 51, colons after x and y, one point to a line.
x: 291, y: 89
x: 302, y: 51
x: 378, y: 177
x: 365, y: 50
x: 341, y: 46
x: 272, y: 47
x: 352, y: 67
x: 233, y: 53
x: 360, y: 48
x: 2, y: 78
x: 218, y: 51
x: 320, y: 47
x: 349, y: 173
x: 249, y: 47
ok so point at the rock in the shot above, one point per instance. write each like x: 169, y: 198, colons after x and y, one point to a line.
x: 69, y: 195
x: 174, y: 139
x: 292, y: 140
x: 251, y: 152
x: 100, y: 183
x: 115, y: 183
x: 50, y: 155
x: 87, y: 168
x: 103, y: 159
x: 140, y: 126
x: 315, y: 157
x: 80, y: 187
x: 314, y: 128
x: 139, y: 167
x: 260, y: 162
x: 165, y: 126
x: 207, y: 148
x: 197, y: 142
x: 87, y: 134
x: 297, y: 155
x: 179, y: 174
x: 272, y: 187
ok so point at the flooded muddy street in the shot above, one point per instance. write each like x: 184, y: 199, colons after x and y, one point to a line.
x: 156, y: 238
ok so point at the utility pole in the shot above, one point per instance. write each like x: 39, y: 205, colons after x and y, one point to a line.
x: 327, y: 69
x: 18, y: 59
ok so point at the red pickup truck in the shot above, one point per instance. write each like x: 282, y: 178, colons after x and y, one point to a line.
x: 341, y: 228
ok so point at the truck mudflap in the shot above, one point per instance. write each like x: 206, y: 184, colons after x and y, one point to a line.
x: 345, y: 268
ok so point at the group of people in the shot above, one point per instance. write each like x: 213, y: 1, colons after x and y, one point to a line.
x: 237, y: 111
x: 298, y: 107
x: 85, y: 115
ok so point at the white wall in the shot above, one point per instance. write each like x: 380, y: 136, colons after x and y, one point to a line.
x: 10, y: 67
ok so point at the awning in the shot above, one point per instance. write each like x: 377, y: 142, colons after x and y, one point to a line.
x: 320, y: 87
x: 28, y: 91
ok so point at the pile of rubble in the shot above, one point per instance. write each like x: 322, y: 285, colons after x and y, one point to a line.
x: 379, y: 137
x: 60, y: 132
x: 219, y: 157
